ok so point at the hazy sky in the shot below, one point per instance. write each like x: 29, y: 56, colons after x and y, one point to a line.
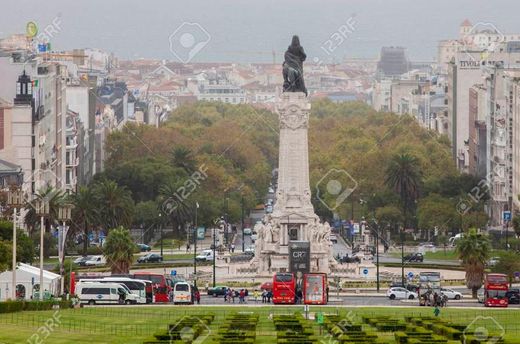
x: 247, y: 30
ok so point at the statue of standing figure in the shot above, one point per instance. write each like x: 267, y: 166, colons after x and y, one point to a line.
x: 293, y: 67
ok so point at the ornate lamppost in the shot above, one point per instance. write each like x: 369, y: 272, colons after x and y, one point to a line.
x: 15, y: 199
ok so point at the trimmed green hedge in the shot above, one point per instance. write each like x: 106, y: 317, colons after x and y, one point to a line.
x: 18, y: 306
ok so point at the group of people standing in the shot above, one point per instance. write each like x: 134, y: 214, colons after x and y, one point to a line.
x: 232, y: 294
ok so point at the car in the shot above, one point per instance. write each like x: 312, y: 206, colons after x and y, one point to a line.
x: 82, y: 260
x: 95, y: 261
x: 254, y: 236
x: 414, y: 257
x: 427, y: 245
x: 351, y: 259
x: 150, y: 258
x: 493, y: 261
x: 400, y: 293
x: 410, y: 287
x: 513, y: 296
x: 205, y: 255
x: 144, y: 248
x: 217, y: 291
x: 267, y: 286
x: 480, y: 296
x: 270, y: 190
x: 269, y: 209
x: 451, y: 294
x: 250, y: 250
x: 247, y: 231
x: 333, y: 238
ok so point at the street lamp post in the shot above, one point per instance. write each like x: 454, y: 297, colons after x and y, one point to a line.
x: 14, y: 199
x: 42, y: 210
x: 64, y: 215
x: 243, y: 241
x: 161, y: 229
x: 195, y: 246
x: 402, y: 256
x: 214, y: 256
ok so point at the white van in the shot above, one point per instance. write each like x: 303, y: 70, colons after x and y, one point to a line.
x: 206, y: 255
x: 94, y: 293
x: 96, y: 261
x: 134, y: 286
x: 182, y: 293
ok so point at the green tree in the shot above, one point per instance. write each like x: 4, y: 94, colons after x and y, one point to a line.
x: 55, y: 198
x: 436, y: 212
x: 146, y: 215
x: 6, y: 255
x: 403, y: 175
x: 119, y: 250
x: 182, y: 157
x: 516, y: 224
x: 507, y: 264
x: 177, y: 208
x: 115, y: 204
x: 473, y: 249
x: 85, y: 212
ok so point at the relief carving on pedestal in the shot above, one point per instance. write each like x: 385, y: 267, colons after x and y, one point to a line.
x: 293, y: 117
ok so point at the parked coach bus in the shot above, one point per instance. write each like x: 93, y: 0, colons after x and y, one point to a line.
x: 284, y: 288
x: 495, y: 289
x: 160, y: 289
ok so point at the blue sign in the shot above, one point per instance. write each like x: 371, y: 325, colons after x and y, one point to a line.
x: 365, y: 271
x: 410, y: 275
x: 517, y: 274
x: 174, y: 272
x: 507, y: 215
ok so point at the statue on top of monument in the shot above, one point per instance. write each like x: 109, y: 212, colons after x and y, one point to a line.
x: 293, y: 67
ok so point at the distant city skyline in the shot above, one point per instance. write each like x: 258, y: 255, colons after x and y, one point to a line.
x: 241, y: 31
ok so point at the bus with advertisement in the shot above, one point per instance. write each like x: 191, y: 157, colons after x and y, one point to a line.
x: 496, y: 287
x: 315, y: 289
x: 284, y: 288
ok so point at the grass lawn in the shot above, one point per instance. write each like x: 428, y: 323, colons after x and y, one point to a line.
x: 135, y: 324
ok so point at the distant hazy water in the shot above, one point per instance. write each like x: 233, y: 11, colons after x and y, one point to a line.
x: 246, y: 30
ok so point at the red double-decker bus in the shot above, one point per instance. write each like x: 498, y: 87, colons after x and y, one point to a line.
x: 315, y: 289
x: 284, y: 288
x: 495, y: 289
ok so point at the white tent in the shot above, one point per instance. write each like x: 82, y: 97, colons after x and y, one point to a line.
x: 27, y: 277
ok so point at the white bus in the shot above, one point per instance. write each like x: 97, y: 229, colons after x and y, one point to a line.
x: 94, y: 293
x: 135, y: 286
x: 182, y: 293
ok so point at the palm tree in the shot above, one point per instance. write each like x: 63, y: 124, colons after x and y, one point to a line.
x: 115, y: 204
x: 177, y: 209
x: 55, y: 199
x: 183, y: 158
x: 85, y: 212
x: 403, y: 175
x: 473, y: 249
x: 119, y: 250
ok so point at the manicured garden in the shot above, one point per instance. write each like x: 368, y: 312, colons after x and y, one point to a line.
x: 269, y: 324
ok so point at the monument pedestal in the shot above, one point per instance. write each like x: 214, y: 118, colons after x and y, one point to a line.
x: 293, y: 218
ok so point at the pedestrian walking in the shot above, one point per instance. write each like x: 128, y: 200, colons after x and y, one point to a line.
x: 242, y: 296
x: 256, y: 294
x: 232, y: 248
x: 187, y: 247
x: 264, y: 296
x: 197, y: 297
x: 269, y: 296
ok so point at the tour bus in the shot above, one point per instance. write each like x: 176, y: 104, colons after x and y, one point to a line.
x: 284, y: 288
x: 137, y: 287
x: 429, y: 283
x: 160, y: 288
x: 94, y: 293
x: 495, y: 289
x: 315, y: 289
x: 182, y: 293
